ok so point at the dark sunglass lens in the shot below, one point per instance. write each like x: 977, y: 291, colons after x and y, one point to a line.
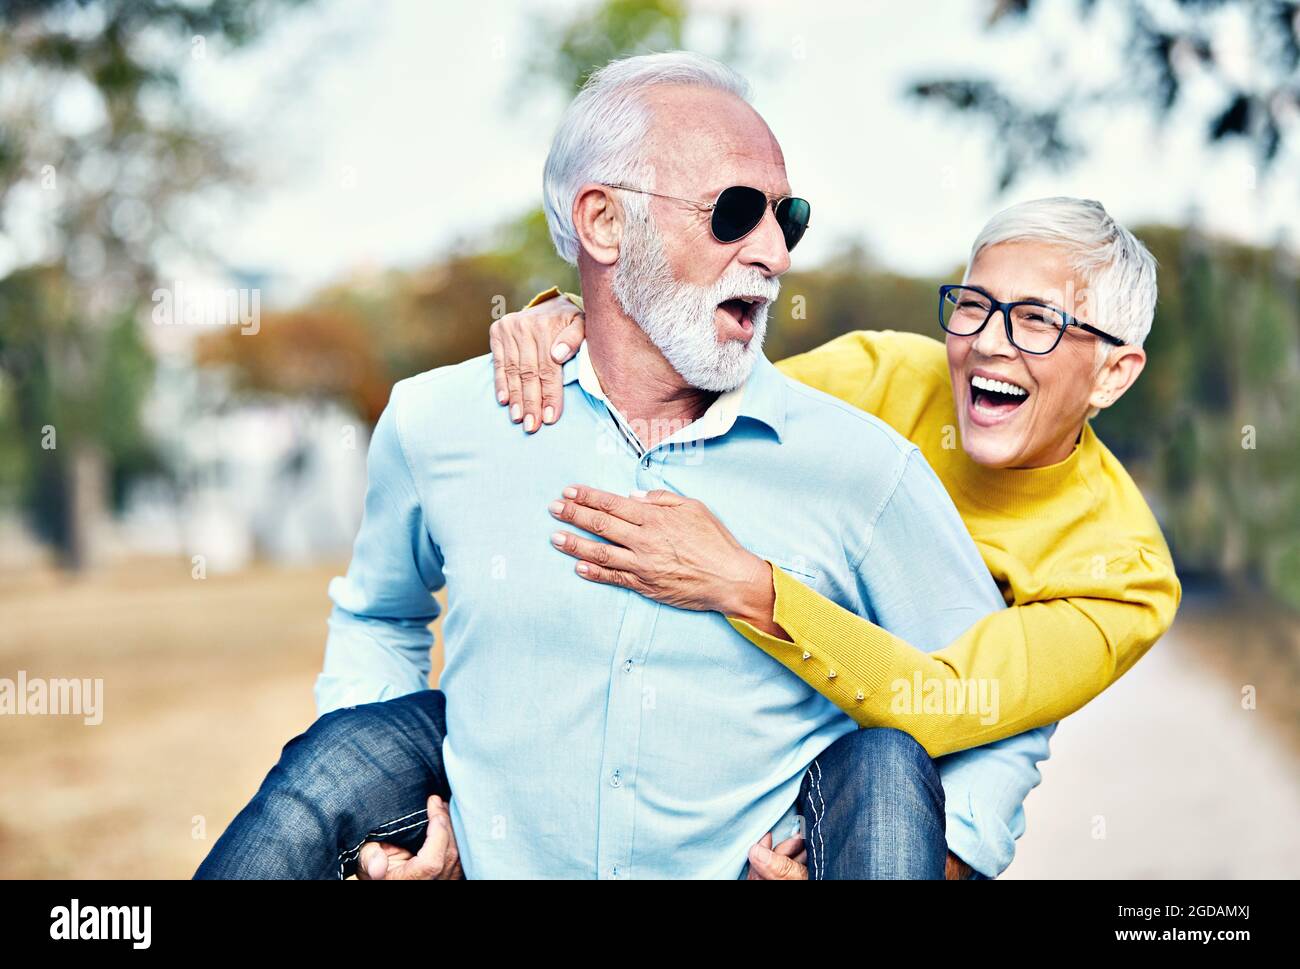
x: 738, y: 210
x: 792, y: 215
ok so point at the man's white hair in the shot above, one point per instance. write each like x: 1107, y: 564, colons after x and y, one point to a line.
x: 600, y: 136
x: 1117, y: 267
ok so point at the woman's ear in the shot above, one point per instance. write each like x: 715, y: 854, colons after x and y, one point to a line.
x: 598, y: 221
x: 1121, y: 367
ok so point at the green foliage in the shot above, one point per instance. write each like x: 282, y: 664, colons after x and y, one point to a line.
x: 569, y: 51
x: 71, y: 354
x: 1211, y: 423
x: 1169, y: 47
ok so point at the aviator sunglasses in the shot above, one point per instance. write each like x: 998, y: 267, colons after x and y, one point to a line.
x: 738, y: 210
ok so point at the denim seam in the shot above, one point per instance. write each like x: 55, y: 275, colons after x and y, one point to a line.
x: 817, y: 820
x: 346, y: 856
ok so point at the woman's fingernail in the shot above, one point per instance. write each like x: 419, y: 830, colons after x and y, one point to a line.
x: 502, y: 397
x: 556, y: 507
x: 559, y: 352
x: 638, y: 493
x: 582, y: 567
x: 557, y: 539
x: 548, y: 415
x: 570, y: 492
x: 529, y: 421
x: 515, y: 411
x: 761, y: 853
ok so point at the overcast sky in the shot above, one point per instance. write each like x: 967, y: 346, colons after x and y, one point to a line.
x: 388, y: 130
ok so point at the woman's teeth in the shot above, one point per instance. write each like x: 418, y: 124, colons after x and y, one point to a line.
x: 998, y: 386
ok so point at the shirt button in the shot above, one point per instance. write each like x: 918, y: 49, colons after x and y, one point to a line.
x: 627, y: 666
x: 860, y: 695
x: 616, y: 779
x: 830, y: 675
x: 613, y: 872
x: 807, y: 655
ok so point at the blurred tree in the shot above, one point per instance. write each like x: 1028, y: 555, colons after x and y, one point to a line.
x: 568, y: 50
x: 99, y: 145
x: 1169, y: 46
x: 1211, y: 423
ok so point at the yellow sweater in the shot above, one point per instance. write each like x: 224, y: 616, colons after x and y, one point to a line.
x: 1076, y: 552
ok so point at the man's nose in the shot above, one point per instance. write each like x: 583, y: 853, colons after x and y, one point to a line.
x: 992, y: 340
x: 764, y: 248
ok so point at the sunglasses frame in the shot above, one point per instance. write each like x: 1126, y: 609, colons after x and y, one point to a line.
x: 772, y: 202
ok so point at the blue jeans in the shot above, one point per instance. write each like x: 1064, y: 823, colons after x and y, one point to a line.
x: 872, y: 802
x: 359, y: 774
x: 872, y: 805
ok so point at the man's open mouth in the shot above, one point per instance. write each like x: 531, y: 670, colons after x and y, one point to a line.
x: 741, y: 309
x: 995, y: 398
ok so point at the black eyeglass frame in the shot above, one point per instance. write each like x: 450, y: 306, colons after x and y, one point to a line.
x: 996, y: 306
x: 773, y: 201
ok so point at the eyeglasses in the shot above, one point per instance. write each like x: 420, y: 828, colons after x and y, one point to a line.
x: 1031, y: 326
x: 738, y: 210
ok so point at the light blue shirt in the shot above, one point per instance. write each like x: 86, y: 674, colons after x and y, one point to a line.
x: 592, y: 732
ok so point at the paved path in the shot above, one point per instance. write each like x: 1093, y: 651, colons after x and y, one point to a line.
x: 1186, y: 783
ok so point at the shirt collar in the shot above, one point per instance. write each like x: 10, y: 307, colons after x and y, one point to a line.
x: 761, y: 397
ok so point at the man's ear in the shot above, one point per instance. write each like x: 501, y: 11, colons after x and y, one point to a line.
x: 1121, y: 367
x: 598, y: 221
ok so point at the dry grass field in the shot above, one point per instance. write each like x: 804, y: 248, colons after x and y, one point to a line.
x: 205, y: 680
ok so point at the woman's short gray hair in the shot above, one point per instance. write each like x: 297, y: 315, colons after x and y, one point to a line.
x: 599, y: 138
x: 1117, y: 267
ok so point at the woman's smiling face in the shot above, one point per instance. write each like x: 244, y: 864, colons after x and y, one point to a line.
x: 1024, y: 410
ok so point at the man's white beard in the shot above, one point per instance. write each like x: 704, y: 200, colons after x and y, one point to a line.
x: 679, y: 317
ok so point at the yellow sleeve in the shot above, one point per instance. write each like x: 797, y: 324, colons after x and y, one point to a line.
x: 1019, y: 668
x: 551, y: 293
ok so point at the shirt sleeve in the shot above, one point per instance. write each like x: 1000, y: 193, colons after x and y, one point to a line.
x: 923, y: 578
x: 1014, y: 670
x: 379, y: 636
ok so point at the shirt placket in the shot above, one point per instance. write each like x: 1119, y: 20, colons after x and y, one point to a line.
x: 629, y: 696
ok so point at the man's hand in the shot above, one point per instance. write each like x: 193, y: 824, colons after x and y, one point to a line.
x: 437, y: 860
x: 956, y: 870
x: 527, y: 350
x: 788, y: 861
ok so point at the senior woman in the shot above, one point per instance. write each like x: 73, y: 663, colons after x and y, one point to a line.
x: 1044, y: 331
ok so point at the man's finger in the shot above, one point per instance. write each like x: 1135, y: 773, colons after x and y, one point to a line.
x: 775, y: 867
x: 763, y: 842
x: 430, y: 861
x: 441, y: 816
x: 372, y: 863
x: 790, y: 847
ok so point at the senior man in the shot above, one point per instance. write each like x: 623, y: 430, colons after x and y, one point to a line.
x: 583, y: 730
